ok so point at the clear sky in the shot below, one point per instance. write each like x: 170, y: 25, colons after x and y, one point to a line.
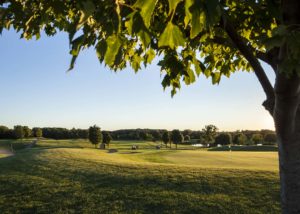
x: 36, y: 90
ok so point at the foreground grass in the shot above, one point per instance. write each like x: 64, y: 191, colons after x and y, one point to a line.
x: 78, y: 179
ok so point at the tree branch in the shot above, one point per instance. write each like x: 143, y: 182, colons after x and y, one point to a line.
x: 247, y: 52
x: 268, y: 57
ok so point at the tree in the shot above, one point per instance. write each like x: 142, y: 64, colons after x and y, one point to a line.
x: 156, y: 135
x: 240, y: 139
x: 187, y: 138
x: 4, y: 132
x: 257, y: 138
x: 166, y: 138
x: 19, y: 132
x: 143, y: 135
x: 95, y: 136
x: 223, y: 139
x: 209, y: 133
x: 187, y: 132
x: 37, y: 132
x: 230, y: 35
x: 27, y: 131
x: 106, y: 138
x: 270, y: 138
x: 176, y: 137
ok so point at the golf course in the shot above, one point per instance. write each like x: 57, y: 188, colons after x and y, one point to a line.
x: 71, y: 176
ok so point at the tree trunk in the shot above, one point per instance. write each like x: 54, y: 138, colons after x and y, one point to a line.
x: 287, y: 122
x: 289, y: 165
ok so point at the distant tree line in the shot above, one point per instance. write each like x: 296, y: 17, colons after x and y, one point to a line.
x: 208, y: 135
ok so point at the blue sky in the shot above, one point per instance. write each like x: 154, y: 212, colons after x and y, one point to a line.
x: 36, y: 90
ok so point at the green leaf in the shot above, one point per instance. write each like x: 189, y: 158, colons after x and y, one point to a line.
x: 188, y: 15
x: 199, y: 67
x: 171, y: 37
x: 198, y: 21
x: 136, y: 62
x: 72, y: 63
x: 190, y: 77
x: 147, y: 7
x: 216, y: 77
x: 172, y: 5
x: 213, y: 11
x: 150, y: 55
x: 76, y: 45
x: 101, y: 50
x: 135, y: 25
x: 113, y: 43
x: 87, y: 10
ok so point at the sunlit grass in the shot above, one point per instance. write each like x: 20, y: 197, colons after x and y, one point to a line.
x: 72, y: 177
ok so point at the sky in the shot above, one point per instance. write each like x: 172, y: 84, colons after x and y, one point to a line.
x: 36, y: 90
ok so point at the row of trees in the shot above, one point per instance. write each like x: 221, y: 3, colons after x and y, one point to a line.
x: 19, y: 132
x: 208, y: 135
x: 242, y: 139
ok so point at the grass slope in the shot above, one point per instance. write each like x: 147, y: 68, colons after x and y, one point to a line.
x: 71, y: 177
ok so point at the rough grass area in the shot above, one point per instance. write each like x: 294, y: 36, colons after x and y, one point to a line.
x: 14, y: 145
x: 71, y: 177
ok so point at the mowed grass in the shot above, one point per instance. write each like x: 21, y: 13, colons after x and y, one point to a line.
x: 72, y: 177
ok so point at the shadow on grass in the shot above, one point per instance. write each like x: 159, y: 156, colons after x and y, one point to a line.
x: 32, y: 183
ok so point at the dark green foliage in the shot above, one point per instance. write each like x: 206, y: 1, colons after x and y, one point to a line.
x: 5, y: 132
x: 257, y: 138
x: 209, y: 133
x: 63, y: 133
x: 240, y: 139
x: 19, y: 132
x: 187, y: 132
x: 95, y: 135
x: 166, y: 137
x: 223, y: 139
x: 37, y: 132
x: 270, y: 138
x: 27, y: 131
x: 106, y: 138
x: 176, y: 137
x: 187, y: 138
x: 157, y: 136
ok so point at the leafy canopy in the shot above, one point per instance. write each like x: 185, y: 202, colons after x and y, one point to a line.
x: 190, y: 35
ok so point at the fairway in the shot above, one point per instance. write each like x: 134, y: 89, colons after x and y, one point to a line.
x: 72, y: 177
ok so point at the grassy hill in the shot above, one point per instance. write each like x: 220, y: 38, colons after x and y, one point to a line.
x: 72, y: 177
